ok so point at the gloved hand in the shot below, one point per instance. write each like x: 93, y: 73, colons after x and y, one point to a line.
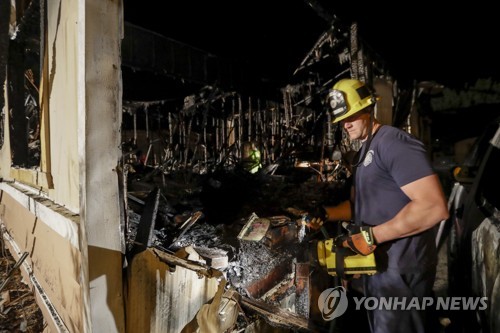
x: 316, y: 218
x: 359, y: 239
x: 350, y: 227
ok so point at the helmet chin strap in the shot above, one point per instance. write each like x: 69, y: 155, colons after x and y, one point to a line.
x: 366, y: 146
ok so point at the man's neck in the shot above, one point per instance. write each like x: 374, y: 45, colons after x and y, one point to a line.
x: 374, y: 128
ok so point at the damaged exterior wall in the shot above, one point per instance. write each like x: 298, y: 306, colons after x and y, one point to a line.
x: 49, y: 234
x: 70, y: 223
x: 163, y: 296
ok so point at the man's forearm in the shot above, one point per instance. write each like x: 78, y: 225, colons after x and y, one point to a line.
x: 341, y: 212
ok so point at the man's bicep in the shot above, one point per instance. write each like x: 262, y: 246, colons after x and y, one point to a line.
x: 427, y: 188
x: 406, y: 160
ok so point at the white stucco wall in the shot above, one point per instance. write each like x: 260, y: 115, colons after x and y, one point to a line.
x: 84, y: 103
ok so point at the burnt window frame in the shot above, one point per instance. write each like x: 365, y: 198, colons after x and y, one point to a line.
x: 27, y: 112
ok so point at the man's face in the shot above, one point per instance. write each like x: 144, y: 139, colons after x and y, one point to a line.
x: 357, y: 125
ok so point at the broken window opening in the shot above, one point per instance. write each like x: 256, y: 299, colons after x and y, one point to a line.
x: 23, y: 82
x: 5, y: 7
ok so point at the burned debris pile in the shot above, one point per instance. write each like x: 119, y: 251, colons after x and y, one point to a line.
x: 247, y: 226
x: 225, y: 181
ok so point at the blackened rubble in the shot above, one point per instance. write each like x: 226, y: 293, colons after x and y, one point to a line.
x: 261, y: 270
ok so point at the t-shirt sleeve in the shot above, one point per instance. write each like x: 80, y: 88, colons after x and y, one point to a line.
x: 405, y: 159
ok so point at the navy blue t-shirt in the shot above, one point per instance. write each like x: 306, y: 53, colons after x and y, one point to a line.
x: 394, y: 159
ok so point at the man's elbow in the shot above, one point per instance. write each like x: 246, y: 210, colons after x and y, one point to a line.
x: 446, y: 214
x: 435, y: 215
x: 441, y: 213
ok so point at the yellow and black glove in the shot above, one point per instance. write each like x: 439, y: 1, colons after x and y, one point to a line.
x: 359, y: 240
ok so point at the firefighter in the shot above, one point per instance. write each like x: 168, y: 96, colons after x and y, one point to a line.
x: 251, y: 157
x: 397, y: 199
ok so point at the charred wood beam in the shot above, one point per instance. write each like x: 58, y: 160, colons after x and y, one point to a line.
x: 277, y: 316
x: 172, y: 260
x: 258, y: 288
x: 135, y: 199
x: 147, y: 223
x: 354, y: 51
x: 280, y: 291
x: 122, y: 173
x: 186, y: 225
x: 13, y: 269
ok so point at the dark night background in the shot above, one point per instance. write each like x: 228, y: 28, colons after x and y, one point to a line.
x: 451, y: 44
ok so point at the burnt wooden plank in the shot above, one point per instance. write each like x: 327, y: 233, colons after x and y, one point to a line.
x: 147, y: 223
x: 277, y: 316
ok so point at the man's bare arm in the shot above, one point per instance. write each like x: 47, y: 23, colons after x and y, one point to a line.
x: 426, y: 208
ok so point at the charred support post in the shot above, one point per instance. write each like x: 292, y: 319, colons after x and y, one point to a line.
x: 354, y: 51
x: 124, y: 218
x: 147, y: 223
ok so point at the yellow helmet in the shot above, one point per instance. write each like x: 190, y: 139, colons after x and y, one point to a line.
x: 349, y: 96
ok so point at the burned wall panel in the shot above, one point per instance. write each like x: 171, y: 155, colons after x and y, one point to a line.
x: 163, y: 297
x: 59, y: 279
x: 63, y: 41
